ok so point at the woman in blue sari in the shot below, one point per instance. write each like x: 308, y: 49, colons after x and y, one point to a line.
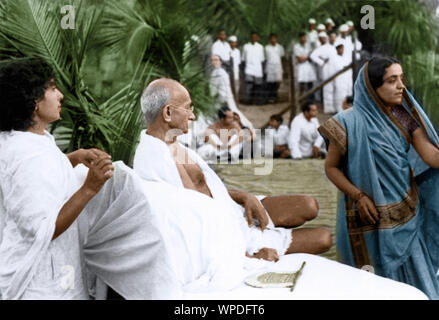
x: 383, y: 154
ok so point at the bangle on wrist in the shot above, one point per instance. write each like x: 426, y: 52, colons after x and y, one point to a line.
x: 359, y: 195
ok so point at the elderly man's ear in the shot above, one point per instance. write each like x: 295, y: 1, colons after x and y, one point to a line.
x: 166, y: 113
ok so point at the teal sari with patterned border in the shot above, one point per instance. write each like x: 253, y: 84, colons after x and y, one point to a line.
x: 379, y: 159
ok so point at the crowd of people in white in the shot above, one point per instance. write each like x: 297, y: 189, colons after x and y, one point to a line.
x: 317, y: 55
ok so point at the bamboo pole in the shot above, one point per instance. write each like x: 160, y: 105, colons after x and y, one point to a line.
x: 294, y: 92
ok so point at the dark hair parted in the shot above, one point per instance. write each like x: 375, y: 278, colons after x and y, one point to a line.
x: 307, y: 106
x: 377, y: 68
x: 22, y: 84
x: 223, y: 110
x: 277, y: 117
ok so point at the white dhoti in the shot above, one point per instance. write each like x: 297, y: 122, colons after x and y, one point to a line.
x: 153, y: 162
x: 211, y: 154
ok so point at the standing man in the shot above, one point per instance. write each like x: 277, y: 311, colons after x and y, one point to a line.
x: 323, y: 56
x: 306, y: 74
x: 236, y: 61
x: 342, y: 81
x: 274, y: 53
x: 304, y: 140
x: 253, y: 56
x: 221, y: 48
x: 312, y: 35
x: 350, y: 45
x: 221, y: 90
x: 329, y: 24
x: 332, y: 38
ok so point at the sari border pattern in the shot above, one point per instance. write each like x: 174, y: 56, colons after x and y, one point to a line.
x: 336, y: 133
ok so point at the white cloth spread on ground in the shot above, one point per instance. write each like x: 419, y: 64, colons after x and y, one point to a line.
x: 116, y: 236
x: 153, y: 162
x: 321, y: 278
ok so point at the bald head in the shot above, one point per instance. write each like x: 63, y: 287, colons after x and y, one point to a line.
x: 158, y: 94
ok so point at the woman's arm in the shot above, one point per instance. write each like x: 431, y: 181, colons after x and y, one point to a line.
x: 100, y: 171
x: 426, y: 150
x: 85, y: 156
x: 365, y: 205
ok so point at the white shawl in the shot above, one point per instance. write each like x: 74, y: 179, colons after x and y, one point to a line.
x: 208, y: 231
x: 36, y: 181
x: 117, y: 236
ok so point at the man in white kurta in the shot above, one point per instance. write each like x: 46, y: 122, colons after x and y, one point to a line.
x: 274, y: 52
x: 221, y: 48
x: 350, y: 45
x: 342, y: 82
x: 304, y: 140
x: 279, y: 133
x: 323, y: 56
x: 221, y: 90
x: 306, y: 74
x: 236, y: 56
x: 312, y: 34
x: 253, y: 56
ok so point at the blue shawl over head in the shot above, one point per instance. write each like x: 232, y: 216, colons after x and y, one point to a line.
x: 378, y: 158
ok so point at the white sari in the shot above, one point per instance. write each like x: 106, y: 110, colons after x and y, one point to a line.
x: 117, y: 238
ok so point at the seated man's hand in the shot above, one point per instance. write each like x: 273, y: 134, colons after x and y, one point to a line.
x: 315, y: 152
x: 268, y: 254
x: 280, y: 147
x: 255, y: 210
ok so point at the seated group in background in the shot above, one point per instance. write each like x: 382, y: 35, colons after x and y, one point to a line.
x: 223, y: 138
x: 280, y: 134
x: 304, y: 140
x: 158, y: 231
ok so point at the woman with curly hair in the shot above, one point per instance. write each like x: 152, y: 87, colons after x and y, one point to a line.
x: 54, y: 221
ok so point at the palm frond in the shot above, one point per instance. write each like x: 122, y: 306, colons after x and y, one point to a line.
x: 32, y: 27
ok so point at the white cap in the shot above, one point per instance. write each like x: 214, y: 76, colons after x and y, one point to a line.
x: 329, y: 20
x: 350, y: 23
x: 233, y: 38
x: 338, y: 43
x: 321, y: 27
x: 312, y: 21
x: 344, y: 28
x: 323, y: 35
